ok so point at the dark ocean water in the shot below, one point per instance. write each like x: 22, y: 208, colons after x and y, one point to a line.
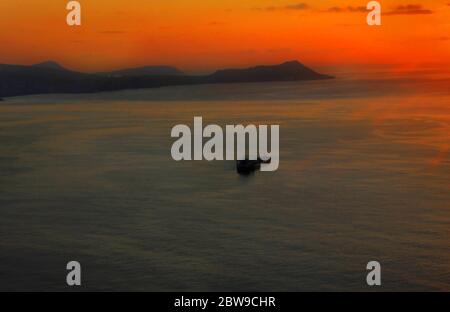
x: 364, y: 175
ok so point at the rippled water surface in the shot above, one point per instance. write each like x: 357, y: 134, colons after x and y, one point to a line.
x: 364, y: 175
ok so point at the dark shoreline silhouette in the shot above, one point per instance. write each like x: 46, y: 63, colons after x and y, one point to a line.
x: 50, y: 77
x: 144, y: 71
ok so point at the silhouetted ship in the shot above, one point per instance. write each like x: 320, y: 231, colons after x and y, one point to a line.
x: 247, y: 166
x: 50, y: 77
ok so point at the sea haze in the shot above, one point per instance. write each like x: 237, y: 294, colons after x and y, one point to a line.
x: 364, y: 175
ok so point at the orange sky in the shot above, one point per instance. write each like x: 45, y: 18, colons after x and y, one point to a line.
x: 200, y: 35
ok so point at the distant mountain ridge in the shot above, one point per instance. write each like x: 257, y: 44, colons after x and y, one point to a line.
x: 288, y: 71
x: 49, y: 64
x: 50, y: 77
x: 145, y: 70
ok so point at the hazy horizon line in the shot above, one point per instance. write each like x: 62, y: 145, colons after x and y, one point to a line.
x: 333, y: 66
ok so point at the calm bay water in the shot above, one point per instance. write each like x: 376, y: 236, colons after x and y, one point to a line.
x: 364, y: 175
